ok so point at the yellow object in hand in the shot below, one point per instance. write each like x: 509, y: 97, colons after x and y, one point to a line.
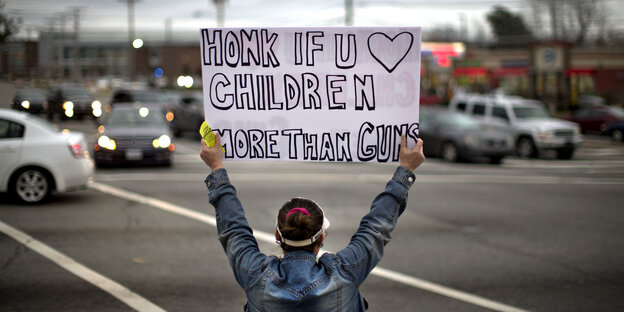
x: 208, y: 135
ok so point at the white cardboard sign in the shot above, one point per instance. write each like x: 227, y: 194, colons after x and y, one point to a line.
x: 312, y: 94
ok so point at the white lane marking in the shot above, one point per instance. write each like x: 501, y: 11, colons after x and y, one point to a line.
x: 270, y: 238
x: 370, y: 177
x: 115, y: 289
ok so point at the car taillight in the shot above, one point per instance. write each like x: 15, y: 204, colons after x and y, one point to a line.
x: 77, y: 150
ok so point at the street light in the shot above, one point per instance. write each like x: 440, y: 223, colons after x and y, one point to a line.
x: 137, y: 43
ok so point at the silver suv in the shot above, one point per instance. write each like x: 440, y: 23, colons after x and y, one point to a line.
x: 535, y: 130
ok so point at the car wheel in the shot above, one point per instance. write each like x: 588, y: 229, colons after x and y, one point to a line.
x: 526, y: 148
x: 449, y: 152
x: 565, y: 153
x: 32, y: 185
x: 617, y: 135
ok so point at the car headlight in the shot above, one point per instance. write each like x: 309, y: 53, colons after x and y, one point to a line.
x: 107, y: 143
x: 68, y: 105
x: 26, y: 104
x: 163, y: 141
x: 96, y: 105
x: 471, y: 140
x: 542, y: 135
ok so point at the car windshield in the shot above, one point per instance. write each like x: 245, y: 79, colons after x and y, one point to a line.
x: 617, y: 111
x: 149, y: 97
x: 31, y: 95
x: 136, y: 117
x: 75, y: 92
x: 457, y: 121
x: 530, y: 112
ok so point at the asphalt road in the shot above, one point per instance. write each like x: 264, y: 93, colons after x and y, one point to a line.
x: 528, y: 235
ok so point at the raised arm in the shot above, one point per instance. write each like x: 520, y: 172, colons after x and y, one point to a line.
x: 235, y: 235
x: 366, y: 247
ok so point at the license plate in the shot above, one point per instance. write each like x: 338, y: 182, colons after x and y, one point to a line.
x: 134, y: 155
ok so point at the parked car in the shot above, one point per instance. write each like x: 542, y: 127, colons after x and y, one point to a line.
x: 134, y: 133
x: 69, y: 101
x: 29, y: 100
x: 594, y: 119
x: 614, y: 129
x: 535, y: 130
x: 456, y: 137
x: 38, y: 159
x: 189, y: 113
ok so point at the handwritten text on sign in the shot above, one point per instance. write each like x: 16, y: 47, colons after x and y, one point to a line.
x: 321, y: 94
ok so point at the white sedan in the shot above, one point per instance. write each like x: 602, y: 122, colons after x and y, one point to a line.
x: 36, y: 158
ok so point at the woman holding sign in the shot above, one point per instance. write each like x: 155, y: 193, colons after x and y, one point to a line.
x: 298, y: 281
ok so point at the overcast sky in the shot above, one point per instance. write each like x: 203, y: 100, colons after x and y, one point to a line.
x: 187, y: 16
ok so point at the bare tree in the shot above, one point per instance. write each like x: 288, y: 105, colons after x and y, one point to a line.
x: 8, y: 25
x: 570, y: 19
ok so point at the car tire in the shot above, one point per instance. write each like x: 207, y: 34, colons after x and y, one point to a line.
x: 31, y: 185
x: 565, y: 153
x: 617, y: 135
x: 526, y: 148
x: 449, y: 152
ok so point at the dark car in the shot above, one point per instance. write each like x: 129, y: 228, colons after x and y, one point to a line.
x: 188, y: 114
x: 151, y: 97
x: 69, y: 101
x: 614, y: 129
x: 593, y: 119
x: 459, y: 137
x: 134, y: 134
x: 29, y: 100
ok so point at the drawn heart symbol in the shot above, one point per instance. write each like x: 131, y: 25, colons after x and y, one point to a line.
x: 389, y: 52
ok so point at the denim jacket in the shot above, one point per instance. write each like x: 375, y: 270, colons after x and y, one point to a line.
x: 298, y: 282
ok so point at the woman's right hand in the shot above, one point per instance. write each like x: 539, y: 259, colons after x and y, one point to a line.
x: 212, y: 156
x: 411, y: 158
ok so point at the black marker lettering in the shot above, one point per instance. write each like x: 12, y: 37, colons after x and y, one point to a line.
x: 292, y: 135
x: 312, y: 46
x: 351, y: 51
x: 365, y: 153
x: 310, y: 84
x: 243, y: 88
x: 212, y: 47
x: 268, y: 55
x: 232, y: 48
x: 250, y: 48
x: 334, y: 86
x: 292, y: 93
x: 222, y: 103
x: 310, y: 147
x: 343, y: 146
x: 364, y: 92
x: 327, y: 148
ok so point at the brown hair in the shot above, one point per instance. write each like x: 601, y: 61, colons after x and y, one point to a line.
x: 299, y: 226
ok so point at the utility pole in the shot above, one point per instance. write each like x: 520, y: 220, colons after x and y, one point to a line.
x: 76, y: 11
x: 60, y: 44
x: 168, y: 31
x: 220, y: 12
x: 348, y: 12
x: 131, y: 37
